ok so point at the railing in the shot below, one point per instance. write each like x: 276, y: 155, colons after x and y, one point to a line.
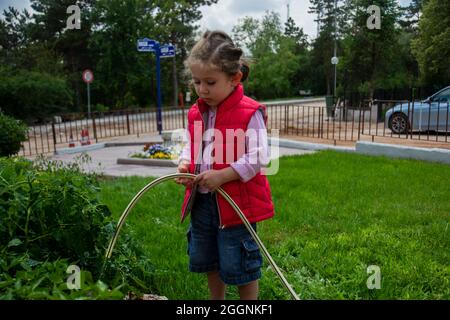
x: 429, y: 122
x: 46, y: 138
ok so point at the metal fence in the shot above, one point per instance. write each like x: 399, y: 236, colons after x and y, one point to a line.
x: 46, y: 138
x: 428, y: 122
x: 410, y: 120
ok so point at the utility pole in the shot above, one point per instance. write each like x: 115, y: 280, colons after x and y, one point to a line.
x: 288, y: 15
x: 335, y: 45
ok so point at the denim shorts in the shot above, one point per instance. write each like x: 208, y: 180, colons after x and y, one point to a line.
x: 232, y: 251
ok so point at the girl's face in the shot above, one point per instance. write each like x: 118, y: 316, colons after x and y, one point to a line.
x: 211, y: 84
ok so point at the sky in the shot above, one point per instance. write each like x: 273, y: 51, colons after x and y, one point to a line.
x: 226, y: 13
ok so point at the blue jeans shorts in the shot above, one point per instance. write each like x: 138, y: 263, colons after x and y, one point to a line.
x: 231, y: 251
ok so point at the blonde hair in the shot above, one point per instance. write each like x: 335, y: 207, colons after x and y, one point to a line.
x: 217, y: 49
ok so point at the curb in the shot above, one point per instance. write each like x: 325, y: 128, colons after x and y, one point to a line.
x: 91, y: 147
x: 373, y: 149
x: 148, y: 162
x: 285, y: 143
x: 395, y: 151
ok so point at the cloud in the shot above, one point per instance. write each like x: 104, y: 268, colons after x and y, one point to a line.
x: 18, y: 4
x: 240, y: 7
x: 225, y: 14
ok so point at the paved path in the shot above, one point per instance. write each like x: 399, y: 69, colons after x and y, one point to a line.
x: 104, y: 161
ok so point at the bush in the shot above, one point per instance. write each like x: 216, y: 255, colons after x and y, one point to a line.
x: 12, y: 133
x: 33, y: 96
x: 50, y: 212
x: 24, y: 278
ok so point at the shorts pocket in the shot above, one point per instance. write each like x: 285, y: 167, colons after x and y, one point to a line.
x: 251, y: 257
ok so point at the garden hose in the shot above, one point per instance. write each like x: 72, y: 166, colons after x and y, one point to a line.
x: 227, y: 198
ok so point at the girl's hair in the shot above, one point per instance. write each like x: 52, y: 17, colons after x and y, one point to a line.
x: 217, y: 49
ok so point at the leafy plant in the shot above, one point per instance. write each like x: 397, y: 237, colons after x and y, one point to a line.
x: 25, y: 278
x: 49, y: 211
x: 12, y: 133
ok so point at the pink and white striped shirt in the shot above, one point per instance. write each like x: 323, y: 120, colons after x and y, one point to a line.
x: 250, y: 163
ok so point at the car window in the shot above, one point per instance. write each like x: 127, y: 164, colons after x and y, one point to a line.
x: 444, y: 96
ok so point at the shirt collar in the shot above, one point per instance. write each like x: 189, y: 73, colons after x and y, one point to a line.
x: 228, y: 103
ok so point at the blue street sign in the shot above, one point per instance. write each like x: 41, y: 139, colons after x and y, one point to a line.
x: 158, y: 91
x: 146, y: 45
x: 164, y: 51
x: 167, y: 51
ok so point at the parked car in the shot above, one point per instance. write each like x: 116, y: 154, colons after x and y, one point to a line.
x: 431, y: 114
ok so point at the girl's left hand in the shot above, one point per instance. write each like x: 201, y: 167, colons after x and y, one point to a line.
x: 210, y: 179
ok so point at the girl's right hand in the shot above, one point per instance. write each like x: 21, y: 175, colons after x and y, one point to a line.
x: 183, y: 167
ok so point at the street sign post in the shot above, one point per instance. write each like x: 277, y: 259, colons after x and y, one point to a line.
x: 88, y: 77
x: 161, y: 51
x: 158, y: 90
x: 146, y: 45
x: 167, y: 51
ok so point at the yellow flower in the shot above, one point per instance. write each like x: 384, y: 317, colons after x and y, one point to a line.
x: 160, y: 155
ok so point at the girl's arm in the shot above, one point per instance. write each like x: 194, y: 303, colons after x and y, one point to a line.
x: 183, y: 164
x: 248, y: 165
x: 257, y: 155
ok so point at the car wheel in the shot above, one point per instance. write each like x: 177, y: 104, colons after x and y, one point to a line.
x: 398, y: 123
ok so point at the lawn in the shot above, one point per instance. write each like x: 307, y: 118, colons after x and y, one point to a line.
x: 336, y: 214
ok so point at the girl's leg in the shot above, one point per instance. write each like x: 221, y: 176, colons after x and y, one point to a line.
x: 216, y: 286
x: 249, y: 291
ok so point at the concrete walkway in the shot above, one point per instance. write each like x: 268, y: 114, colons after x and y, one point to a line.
x: 104, y: 160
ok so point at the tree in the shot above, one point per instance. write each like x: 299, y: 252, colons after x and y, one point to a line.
x: 14, y: 36
x: 32, y: 95
x: 432, y: 46
x: 274, y: 61
x: 301, y: 78
x: 329, y: 20
x: 411, y: 15
x: 71, y: 46
x: 176, y: 25
x: 370, y: 55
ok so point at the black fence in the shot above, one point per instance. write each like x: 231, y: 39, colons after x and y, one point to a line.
x: 374, y: 118
x: 70, y: 129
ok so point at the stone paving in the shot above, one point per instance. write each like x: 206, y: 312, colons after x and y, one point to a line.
x: 104, y: 160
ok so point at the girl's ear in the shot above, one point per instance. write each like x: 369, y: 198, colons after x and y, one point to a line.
x: 236, y: 78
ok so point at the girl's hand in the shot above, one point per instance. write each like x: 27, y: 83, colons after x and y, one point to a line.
x: 183, y: 167
x: 210, y: 179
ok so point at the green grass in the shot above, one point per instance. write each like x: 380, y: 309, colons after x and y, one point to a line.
x: 336, y: 214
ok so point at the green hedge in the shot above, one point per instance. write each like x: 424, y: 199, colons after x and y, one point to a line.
x: 50, y: 212
x: 33, y: 96
x: 12, y: 134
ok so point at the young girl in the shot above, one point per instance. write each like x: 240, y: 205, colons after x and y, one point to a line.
x: 218, y: 242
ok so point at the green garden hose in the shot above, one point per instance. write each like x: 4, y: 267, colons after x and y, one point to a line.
x: 229, y: 200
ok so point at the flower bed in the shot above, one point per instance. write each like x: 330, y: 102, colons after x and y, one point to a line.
x: 158, y: 151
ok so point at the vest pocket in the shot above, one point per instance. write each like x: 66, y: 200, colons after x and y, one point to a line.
x: 244, y: 195
x: 251, y: 257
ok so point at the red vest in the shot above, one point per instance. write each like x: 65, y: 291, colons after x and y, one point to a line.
x: 253, y: 197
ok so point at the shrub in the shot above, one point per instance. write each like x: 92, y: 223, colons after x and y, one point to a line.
x: 49, y: 211
x: 25, y: 278
x: 52, y: 212
x: 33, y: 96
x: 12, y: 133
